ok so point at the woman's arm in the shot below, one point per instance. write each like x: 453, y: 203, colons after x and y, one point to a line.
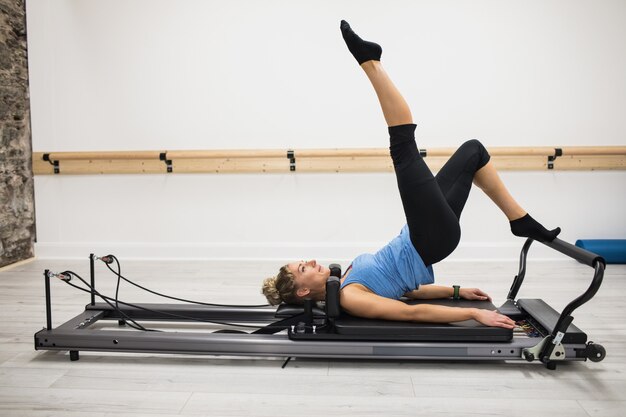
x: 361, y: 303
x: 430, y: 291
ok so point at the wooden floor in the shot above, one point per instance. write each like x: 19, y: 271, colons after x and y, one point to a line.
x: 43, y: 383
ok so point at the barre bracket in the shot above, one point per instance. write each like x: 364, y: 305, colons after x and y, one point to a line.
x: 168, y: 162
x: 291, y: 155
x: 55, y: 164
x: 557, y: 152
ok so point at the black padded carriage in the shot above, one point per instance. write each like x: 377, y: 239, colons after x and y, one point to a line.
x: 347, y: 327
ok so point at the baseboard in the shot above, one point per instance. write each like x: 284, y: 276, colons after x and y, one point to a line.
x: 16, y: 264
x: 323, y: 252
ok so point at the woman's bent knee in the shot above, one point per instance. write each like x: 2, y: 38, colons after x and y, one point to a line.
x: 475, y: 147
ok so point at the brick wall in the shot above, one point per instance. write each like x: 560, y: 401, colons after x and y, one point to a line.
x: 17, y: 207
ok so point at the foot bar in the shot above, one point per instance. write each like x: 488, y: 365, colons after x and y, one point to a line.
x: 580, y: 254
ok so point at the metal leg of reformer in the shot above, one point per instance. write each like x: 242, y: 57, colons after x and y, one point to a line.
x: 48, y: 303
x: 92, y: 273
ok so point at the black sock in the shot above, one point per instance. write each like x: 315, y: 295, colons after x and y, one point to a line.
x: 529, y: 227
x: 362, y: 50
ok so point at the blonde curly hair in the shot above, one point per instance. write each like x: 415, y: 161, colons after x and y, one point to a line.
x: 281, y: 288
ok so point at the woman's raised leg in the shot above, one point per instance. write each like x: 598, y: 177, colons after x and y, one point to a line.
x: 433, y: 226
x: 395, y: 109
x: 442, y: 203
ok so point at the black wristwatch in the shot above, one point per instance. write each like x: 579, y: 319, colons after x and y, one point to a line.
x: 456, y: 295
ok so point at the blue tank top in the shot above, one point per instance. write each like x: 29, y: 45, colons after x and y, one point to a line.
x: 392, y: 271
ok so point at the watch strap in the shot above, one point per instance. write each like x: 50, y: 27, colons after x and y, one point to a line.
x: 457, y: 289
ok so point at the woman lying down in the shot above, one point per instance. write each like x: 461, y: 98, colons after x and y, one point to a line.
x: 373, y: 284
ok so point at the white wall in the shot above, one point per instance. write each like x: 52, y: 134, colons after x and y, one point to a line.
x: 147, y: 74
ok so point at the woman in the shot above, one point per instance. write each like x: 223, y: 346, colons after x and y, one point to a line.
x: 373, y: 284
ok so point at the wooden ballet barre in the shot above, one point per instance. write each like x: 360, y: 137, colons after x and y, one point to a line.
x: 324, y: 153
x: 341, y: 153
x: 594, y: 150
x: 314, y: 160
x: 384, y: 152
x: 227, y: 154
x: 99, y: 156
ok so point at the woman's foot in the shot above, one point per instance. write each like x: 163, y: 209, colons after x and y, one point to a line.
x: 528, y: 227
x: 362, y: 50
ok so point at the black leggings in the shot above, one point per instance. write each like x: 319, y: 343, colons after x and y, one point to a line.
x: 433, y: 204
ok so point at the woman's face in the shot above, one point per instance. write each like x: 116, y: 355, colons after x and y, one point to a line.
x: 310, y: 279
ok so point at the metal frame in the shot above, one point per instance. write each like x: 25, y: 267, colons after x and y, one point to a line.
x: 273, y: 337
x: 565, y: 319
x: 78, y: 334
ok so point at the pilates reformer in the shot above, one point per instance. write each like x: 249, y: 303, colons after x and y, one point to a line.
x: 323, y: 330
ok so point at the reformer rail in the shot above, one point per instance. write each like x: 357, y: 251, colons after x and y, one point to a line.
x: 314, y: 160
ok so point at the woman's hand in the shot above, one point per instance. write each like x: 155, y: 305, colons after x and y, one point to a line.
x: 473, y: 294
x: 493, y: 318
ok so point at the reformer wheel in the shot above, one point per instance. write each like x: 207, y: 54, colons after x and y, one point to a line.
x: 595, y: 353
x: 528, y: 356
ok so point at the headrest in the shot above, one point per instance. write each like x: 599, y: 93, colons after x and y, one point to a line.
x: 333, y: 307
